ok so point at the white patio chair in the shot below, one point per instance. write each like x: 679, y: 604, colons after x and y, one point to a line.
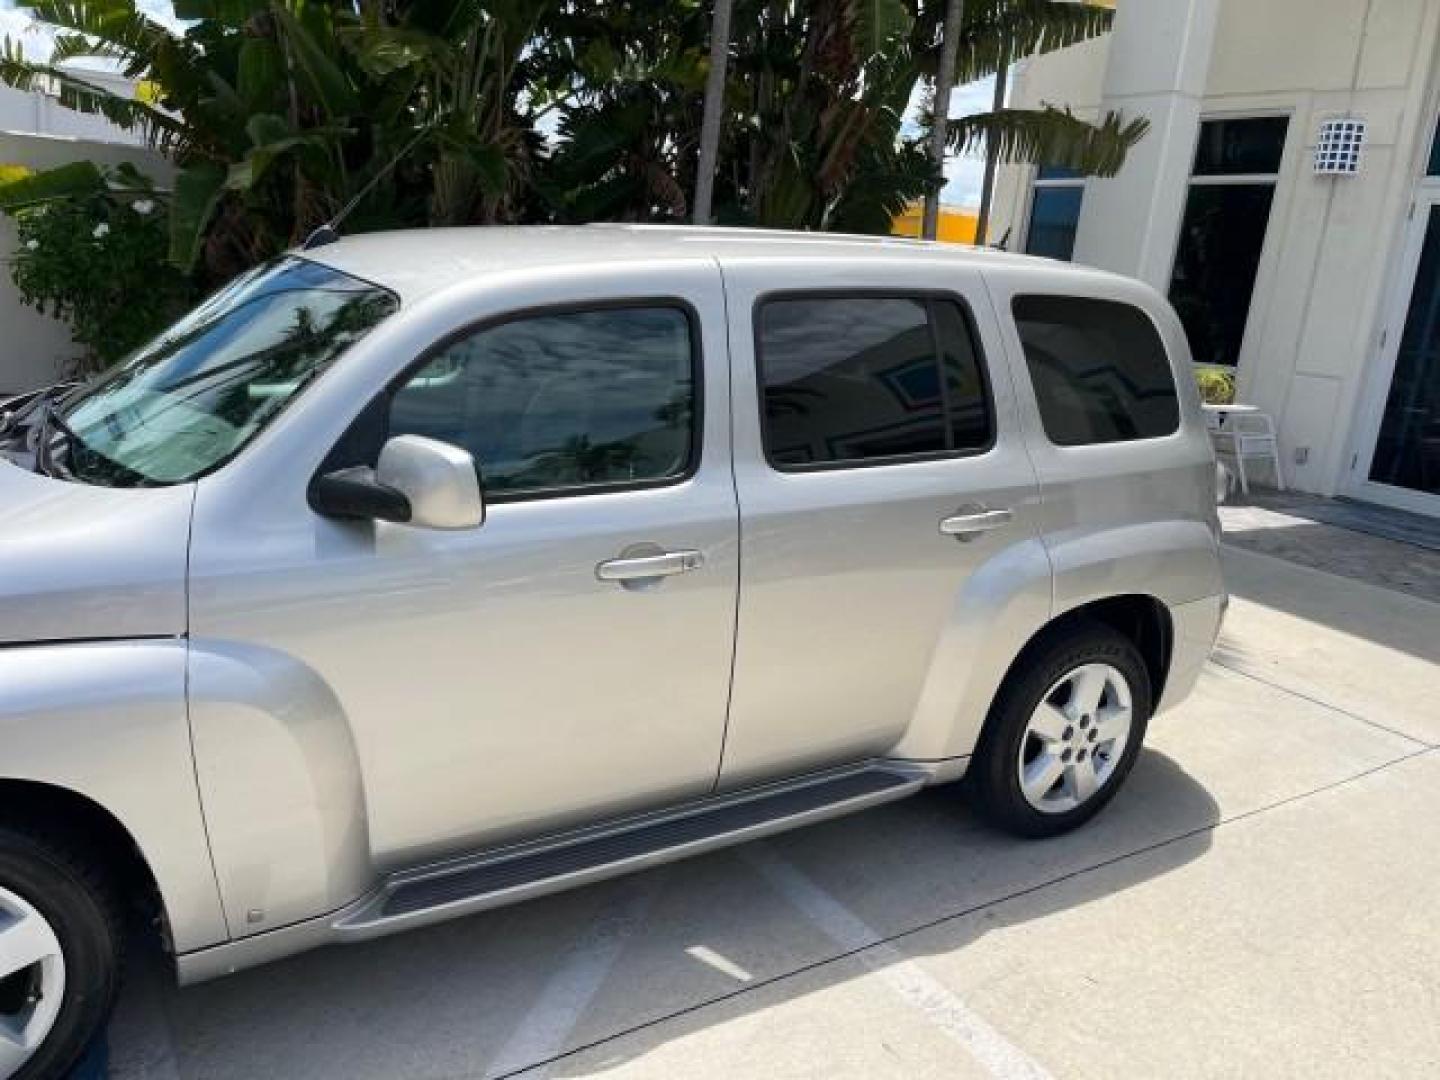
x: 1239, y: 432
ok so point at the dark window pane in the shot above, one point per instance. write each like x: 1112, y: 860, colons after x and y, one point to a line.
x: 849, y: 379
x: 1099, y: 370
x: 1057, y: 172
x: 1407, y: 452
x: 1433, y: 167
x: 965, y: 394
x: 1235, y: 147
x: 1221, y: 237
x: 1054, y: 215
x: 562, y: 401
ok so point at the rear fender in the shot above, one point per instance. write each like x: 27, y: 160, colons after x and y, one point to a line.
x: 992, y: 617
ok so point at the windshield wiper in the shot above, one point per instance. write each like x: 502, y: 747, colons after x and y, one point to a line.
x: 21, y: 406
x: 51, y: 418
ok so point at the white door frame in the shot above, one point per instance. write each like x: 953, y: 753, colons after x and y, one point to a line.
x: 1377, y: 383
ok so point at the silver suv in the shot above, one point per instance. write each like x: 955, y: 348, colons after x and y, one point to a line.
x: 421, y: 573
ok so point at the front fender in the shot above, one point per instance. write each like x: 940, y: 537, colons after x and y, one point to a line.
x: 106, y: 720
x: 282, y: 786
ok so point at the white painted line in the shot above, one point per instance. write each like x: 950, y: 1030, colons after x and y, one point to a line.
x: 545, y: 1029
x: 940, y: 1005
x: 707, y: 955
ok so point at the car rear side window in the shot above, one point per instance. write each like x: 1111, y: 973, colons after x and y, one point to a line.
x: 1099, y: 370
x: 563, y: 402
x: 864, y: 379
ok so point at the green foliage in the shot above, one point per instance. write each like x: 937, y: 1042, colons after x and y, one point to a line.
x: 1217, y: 384
x: 1052, y: 136
x: 94, y: 255
x: 279, y: 113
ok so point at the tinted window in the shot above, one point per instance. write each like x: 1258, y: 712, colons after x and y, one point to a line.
x: 1099, y: 369
x: 1236, y: 147
x: 562, y: 401
x: 1054, y: 218
x: 859, y: 378
x: 1222, y: 237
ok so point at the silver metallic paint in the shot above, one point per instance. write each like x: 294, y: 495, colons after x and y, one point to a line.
x: 366, y: 699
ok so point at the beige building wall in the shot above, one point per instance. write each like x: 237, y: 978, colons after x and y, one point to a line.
x: 1328, y: 269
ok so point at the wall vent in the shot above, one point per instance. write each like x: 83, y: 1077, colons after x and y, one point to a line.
x: 1338, y: 146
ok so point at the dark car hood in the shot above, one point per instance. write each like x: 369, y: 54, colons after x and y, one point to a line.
x: 80, y: 562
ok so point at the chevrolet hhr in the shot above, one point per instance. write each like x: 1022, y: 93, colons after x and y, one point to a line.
x: 417, y: 573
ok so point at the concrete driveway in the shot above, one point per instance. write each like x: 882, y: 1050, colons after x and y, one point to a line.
x: 1262, y: 900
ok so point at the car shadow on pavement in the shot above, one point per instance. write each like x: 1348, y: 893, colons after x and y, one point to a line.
x: 627, y: 965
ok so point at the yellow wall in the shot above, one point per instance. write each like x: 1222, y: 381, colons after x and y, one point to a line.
x: 956, y: 226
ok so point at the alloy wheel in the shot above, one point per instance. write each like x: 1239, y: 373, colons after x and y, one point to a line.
x: 32, y: 980
x: 1075, y: 738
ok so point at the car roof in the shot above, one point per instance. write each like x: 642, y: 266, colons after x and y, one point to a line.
x: 417, y: 262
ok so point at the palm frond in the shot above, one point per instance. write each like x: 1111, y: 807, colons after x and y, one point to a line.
x: 1050, y: 136
x: 157, y: 127
x: 997, y: 32
x: 113, y: 29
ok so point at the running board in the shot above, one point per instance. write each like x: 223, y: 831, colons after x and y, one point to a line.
x: 417, y: 898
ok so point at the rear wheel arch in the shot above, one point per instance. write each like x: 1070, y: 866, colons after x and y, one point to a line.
x: 1142, y: 619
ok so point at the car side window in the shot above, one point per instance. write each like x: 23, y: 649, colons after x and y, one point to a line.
x: 563, y: 402
x: 865, y: 379
x: 1099, y: 369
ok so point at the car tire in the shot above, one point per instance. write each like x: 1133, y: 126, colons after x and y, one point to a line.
x: 56, y: 906
x: 1055, y: 749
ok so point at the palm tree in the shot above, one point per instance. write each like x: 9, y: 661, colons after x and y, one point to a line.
x: 940, y: 109
x: 992, y: 33
x: 714, y: 103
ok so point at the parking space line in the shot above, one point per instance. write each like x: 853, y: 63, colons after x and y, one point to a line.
x: 541, y: 1034
x: 917, y: 987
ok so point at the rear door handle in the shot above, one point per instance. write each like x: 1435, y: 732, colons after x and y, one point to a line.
x: 975, y: 521
x: 649, y: 567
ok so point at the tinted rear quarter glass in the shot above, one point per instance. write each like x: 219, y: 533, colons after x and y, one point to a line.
x: 1099, y: 369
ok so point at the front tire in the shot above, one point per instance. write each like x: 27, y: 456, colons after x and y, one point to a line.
x: 60, y: 957
x: 1063, y: 733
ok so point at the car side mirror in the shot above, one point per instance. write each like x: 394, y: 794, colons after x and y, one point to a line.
x: 417, y: 481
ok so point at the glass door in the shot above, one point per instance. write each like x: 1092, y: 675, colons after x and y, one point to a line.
x: 1403, y: 466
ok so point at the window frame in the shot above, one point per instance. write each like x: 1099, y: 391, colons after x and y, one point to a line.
x: 928, y: 297
x: 696, y: 452
x: 1053, y: 294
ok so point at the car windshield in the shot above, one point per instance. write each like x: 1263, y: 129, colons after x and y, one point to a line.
x: 191, y: 399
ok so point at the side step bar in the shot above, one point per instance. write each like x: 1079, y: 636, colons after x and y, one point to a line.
x: 416, y: 898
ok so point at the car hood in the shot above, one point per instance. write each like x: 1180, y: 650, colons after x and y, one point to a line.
x: 80, y: 562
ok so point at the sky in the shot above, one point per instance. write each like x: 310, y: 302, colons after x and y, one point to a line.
x: 963, y: 172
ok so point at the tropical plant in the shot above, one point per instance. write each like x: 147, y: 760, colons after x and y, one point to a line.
x: 1216, y: 384
x: 96, y: 258
x: 278, y: 113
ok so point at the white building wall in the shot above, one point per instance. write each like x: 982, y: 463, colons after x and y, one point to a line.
x: 34, y: 348
x: 1327, y: 270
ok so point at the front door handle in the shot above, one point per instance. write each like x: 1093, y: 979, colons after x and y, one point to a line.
x: 967, y: 524
x: 649, y: 567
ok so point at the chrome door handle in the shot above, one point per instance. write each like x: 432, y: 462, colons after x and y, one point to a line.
x: 977, y: 521
x: 644, y: 567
